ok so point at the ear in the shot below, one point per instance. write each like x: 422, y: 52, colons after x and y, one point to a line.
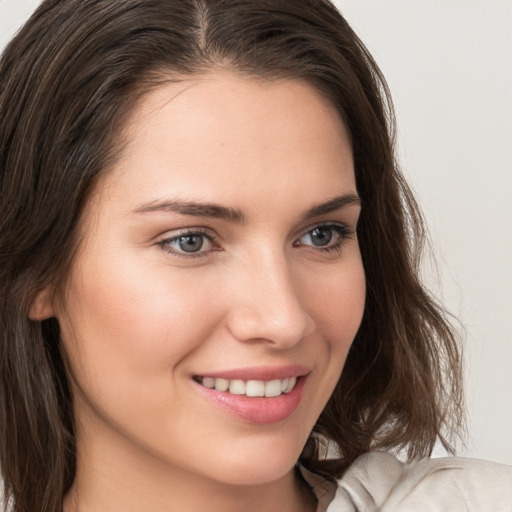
x: 41, y: 307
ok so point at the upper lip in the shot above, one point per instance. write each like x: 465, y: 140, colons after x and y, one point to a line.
x: 265, y: 373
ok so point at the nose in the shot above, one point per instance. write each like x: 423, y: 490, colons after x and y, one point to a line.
x: 266, y: 303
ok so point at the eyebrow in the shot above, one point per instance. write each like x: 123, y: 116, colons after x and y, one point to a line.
x: 337, y: 203
x: 195, y: 209
x: 212, y: 210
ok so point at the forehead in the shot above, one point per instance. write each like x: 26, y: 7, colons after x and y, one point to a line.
x: 232, y: 101
x: 221, y: 135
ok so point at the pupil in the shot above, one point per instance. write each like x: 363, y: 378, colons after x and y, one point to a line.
x: 321, y: 236
x: 191, y: 243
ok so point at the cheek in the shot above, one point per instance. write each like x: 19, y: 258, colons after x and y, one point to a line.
x: 124, y: 325
x: 337, y: 304
x: 337, y: 301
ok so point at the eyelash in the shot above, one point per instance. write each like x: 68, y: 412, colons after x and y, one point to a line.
x: 165, y: 244
x: 344, y: 232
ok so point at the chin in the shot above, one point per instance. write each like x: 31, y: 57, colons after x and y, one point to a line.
x: 254, y: 474
x: 258, y: 466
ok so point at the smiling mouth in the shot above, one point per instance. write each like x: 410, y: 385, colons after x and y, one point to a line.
x: 250, y: 388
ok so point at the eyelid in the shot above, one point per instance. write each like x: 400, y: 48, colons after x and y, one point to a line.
x: 344, y: 232
x: 173, y: 235
x: 336, y: 224
x: 176, y: 233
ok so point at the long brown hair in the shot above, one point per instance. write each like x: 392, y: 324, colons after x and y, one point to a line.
x: 68, y: 80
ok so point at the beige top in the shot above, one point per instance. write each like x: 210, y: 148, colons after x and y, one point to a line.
x: 379, y: 482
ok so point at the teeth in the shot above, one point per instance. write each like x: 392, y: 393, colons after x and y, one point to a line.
x: 221, y: 384
x: 208, y: 382
x: 237, y: 387
x: 253, y: 388
x: 291, y: 384
x: 273, y: 388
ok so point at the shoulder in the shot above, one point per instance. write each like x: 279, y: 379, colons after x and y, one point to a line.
x: 380, y: 482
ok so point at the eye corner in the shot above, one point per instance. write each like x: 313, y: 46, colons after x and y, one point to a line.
x: 172, y: 243
x: 339, y: 233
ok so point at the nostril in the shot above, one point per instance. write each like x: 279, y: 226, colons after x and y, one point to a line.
x: 278, y: 330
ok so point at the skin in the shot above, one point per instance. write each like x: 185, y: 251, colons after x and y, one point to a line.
x: 140, y: 319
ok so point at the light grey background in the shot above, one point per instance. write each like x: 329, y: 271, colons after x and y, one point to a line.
x: 449, y: 67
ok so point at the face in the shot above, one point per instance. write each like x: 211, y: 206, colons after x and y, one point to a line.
x: 219, y: 285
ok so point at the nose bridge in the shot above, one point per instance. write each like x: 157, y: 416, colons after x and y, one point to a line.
x: 267, y: 304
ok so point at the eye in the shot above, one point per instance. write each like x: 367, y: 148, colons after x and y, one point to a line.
x: 330, y: 237
x: 188, y: 243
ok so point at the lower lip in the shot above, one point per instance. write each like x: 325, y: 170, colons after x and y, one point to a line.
x: 258, y: 410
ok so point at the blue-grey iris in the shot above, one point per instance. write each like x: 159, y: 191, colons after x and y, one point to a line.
x: 321, y: 236
x: 190, y: 243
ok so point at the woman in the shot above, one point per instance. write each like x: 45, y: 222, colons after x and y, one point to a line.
x: 209, y: 269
